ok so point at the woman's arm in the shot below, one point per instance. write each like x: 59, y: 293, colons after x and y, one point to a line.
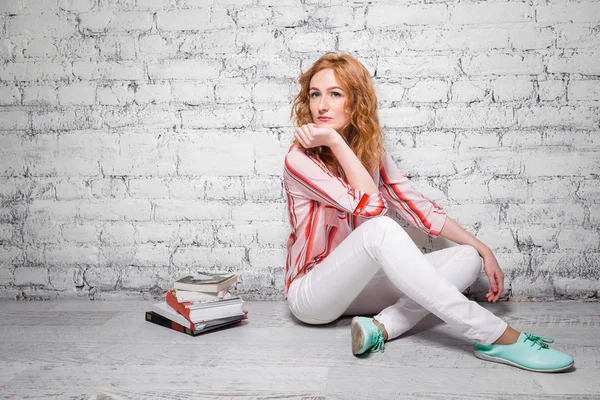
x: 357, y: 175
x: 453, y: 231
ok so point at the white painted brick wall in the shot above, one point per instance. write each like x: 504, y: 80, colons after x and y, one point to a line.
x: 142, y: 139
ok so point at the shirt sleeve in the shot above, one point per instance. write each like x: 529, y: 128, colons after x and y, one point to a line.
x: 309, y: 178
x: 415, y: 208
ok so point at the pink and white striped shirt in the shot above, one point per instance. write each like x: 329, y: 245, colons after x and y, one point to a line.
x: 324, y: 209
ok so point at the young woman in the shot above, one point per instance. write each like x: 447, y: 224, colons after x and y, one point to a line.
x: 346, y: 257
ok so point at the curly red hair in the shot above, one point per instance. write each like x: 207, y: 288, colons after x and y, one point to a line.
x: 362, y: 133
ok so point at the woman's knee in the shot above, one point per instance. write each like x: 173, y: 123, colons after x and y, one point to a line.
x: 472, y: 261
x: 378, y: 228
x: 311, y: 317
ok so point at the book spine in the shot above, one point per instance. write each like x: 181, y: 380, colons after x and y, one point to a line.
x: 180, y: 308
x: 162, y: 321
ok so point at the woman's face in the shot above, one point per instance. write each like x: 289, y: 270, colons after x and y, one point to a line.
x: 327, y: 100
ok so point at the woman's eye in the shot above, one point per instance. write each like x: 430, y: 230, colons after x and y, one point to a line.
x: 313, y: 94
x: 336, y: 93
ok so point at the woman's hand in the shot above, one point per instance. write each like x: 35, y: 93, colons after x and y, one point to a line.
x: 310, y: 136
x: 495, y: 276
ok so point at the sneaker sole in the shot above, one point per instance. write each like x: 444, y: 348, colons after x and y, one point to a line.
x: 358, y: 337
x: 503, y: 361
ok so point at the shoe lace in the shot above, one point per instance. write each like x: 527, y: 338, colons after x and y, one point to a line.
x: 377, y: 341
x: 541, y: 341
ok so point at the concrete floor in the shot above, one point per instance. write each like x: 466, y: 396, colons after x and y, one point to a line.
x: 80, y: 349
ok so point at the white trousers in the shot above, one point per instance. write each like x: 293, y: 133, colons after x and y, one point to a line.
x: 378, y: 269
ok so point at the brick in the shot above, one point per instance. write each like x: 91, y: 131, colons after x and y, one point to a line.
x: 125, y: 70
x: 80, y: 233
x: 587, y: 64
x: 484, y: 214
x: 325, y: 18
x: 589, y: 190
x: 469, y: 91
x: 414, y: 66
x: 224, y: 188
x: 156, y: 45
x: 387, y: 92
x: 153, y: 94
x: 39, y: 231
x: 9, y: 95
x: 153, y: 188
x: 503, y: 64
x: 65, y: 279
x: 574, y: 36
x: 436, y: 39
x: 269, y: 116
x: 551, y: 90
x: 504, y: 189
x: 405, y: 116
x: 68, y: 254
x: 458, y: 117
x: 288, y: 16
x: 187, y: 210
x: 38, y: 47
x: 198, y: 233
x: 156, y: 232
x: 51, y: 209
x: 488, y: 38
x: 273, y: 233
x: 201, y: 257
x: 117, y: 234
x: 263, y: 189
x: 10, y: 120
x: 217, y: 42
x: 116, y: 48
x: 571, y: 117
x: 37, y: 7
x: 236, y: 235
x: 232, y: 93
x: 184, y: 69
x: 311, y: 42
x: 106, y: 21
x: 553, y: 189
x: 538, y: 237
x: 578, y: 239
x: 518, y: 138
x: 79, y: 118
x: 40, y: 95
x: 114, y: 94
x: 194, y: 20
x: 267, y: 257
x: 46, y: 24
x: 196, y: 93
x: 211, y: 116
x: 6, y: 233
x: 80, y: 94
x: 512, y: 89
x: 497, y: 238
x: 259, y: 212
x: 187, y: 188
x: 544, y: 214
x: 532, y: 38
x: 393, y: 15
x: 468, y: 189
x: 124, y: 210
x: 25, y: 276
x: 253, y: 16
x: 76, y: 5
x: 152, y: 255
x: 271, y: 92
x: 33, y: 71
x: 435, y: 139
x: 428, y: 91
x: 568, y: 12
x: 587, y: 90
x: 490, y: 13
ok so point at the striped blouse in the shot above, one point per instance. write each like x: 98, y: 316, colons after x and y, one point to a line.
x: 324, y: 209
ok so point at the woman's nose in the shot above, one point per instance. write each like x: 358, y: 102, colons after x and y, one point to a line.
x: 323, y: 104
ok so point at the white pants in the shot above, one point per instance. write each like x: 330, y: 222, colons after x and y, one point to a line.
x: 379, y: 269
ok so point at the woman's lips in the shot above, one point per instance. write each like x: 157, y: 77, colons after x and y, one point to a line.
x: 324, y: 119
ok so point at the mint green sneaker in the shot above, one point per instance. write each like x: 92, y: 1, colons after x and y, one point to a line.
x: 365, y: 336
x: 530, y: 352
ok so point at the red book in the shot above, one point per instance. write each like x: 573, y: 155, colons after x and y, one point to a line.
x: 205, y: 314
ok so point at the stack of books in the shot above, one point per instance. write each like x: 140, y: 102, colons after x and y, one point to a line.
x: 199, y: 303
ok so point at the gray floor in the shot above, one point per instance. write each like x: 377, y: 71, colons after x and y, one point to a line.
x: 105, y: 350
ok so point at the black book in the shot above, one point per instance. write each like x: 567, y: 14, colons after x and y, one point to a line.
x: 158, y: 319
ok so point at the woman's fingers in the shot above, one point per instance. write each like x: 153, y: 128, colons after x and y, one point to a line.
x: 300, y: 136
